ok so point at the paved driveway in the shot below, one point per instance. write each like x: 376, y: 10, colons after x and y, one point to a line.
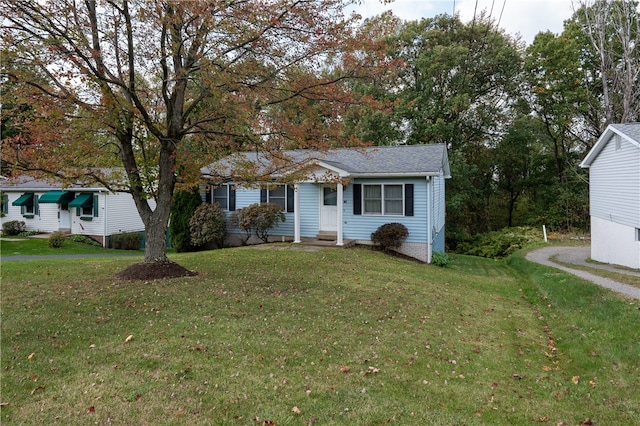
x: 579, y: 256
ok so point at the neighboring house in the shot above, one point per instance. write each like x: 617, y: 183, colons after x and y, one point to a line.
x: 346, y: 194
x: 614, y: 195
x: 91, y: 211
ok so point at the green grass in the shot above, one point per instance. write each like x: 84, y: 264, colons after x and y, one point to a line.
x: 38, y: 246
x: 345, y: 336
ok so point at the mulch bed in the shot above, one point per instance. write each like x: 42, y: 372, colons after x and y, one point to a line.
x: 154, y: 271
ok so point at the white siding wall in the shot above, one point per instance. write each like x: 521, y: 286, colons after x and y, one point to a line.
x: 614, y: 243
x: 122, y: 214
x: 119, y: 212
x: 95, y: 226
x: 45, y: 221
x: 614, y: 186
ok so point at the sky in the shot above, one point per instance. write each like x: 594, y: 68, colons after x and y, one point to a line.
x: 526, y: 17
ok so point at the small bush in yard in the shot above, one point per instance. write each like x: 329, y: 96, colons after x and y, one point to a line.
x: 259, y: 219
x: 390, y: 235
x: 207, y: 225
x: 56, y: 239
x: 84, y: 240
x: 126, y: 241
x: 499, y: 244
x: 440, y: 259
x: 13, y: 227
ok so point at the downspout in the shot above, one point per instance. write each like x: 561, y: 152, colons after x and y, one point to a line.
x: 340, y: 203
x: 105, y: 221
x: 296, y: 213
x: 429, y: 220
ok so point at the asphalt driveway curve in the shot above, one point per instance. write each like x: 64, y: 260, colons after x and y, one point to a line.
x: 577, y: 255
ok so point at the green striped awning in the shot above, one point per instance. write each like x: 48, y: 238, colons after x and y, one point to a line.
x: 82, y: 200
x: 58, y: 197
x: 24, y: 200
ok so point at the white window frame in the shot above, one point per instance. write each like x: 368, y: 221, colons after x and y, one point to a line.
x: 383, y: 199
x: 284, y: 198
x: 87, y: 211
x: 213, y: 196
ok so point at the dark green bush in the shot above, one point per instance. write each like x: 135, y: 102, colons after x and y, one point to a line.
x: 183, y: 206
x: 26, y: 234
x: 389, y: 236
x: 56, y: 239
x: 440, y: 259
x: 84, y: 240
x: 126, y: 241
x: 13, y: 227
x: 499, y: 244
x: 259, y: 219
x: 207, y: 225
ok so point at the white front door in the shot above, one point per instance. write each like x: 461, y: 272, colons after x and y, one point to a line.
x: 65, y: 217
x: 328, y: 209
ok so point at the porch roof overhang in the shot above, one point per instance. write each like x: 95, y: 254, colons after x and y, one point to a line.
x: 25, y: 199
x: 56, y: 197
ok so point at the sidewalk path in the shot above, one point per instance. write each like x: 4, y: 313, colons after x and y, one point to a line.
x: 67, y: 256
x: 578, y: 256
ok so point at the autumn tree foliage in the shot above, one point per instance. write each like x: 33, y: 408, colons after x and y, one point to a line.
x: 161, y: 88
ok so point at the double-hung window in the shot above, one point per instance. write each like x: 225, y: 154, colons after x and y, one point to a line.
x: 278, y: 195
x: 224, y: 195
x: 282, y: 195
x: 383, y: 199
x: 221, y: 196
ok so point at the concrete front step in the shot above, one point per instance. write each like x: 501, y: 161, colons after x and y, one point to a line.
x: 327, y: 236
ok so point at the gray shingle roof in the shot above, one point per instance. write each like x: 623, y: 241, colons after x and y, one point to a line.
x: 629, y: 131
x: 404, y: 160
x: 632, y: 130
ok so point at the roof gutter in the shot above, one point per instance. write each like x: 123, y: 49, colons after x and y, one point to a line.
x: 397, y: 175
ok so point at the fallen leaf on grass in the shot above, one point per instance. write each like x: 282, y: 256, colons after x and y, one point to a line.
x: 91, y: 409
x: 30, y: 357
x: 41, y: 387
x: 4, y: 404
x: 372, y: 370
x: 128, y: 339
x: 296, y: 410
x: 345, y: 369
x: 575, y: 379
x: 587, y: 422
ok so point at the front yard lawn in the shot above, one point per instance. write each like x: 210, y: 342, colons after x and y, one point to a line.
x: 315, y: 338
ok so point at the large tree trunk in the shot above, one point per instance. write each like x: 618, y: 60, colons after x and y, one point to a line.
x: 156, y: 231
x: 157, y: 221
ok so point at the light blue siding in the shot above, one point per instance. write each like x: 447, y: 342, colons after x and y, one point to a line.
x: 310, y: 206
x: 246, y: 196
x: 360, y: 227
x: 438, y: 241
x: 438, y: 209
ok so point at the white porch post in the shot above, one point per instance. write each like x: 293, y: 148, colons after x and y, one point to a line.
x: 429, y: 219
x: 340, y: 203
x: 296, y: 214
